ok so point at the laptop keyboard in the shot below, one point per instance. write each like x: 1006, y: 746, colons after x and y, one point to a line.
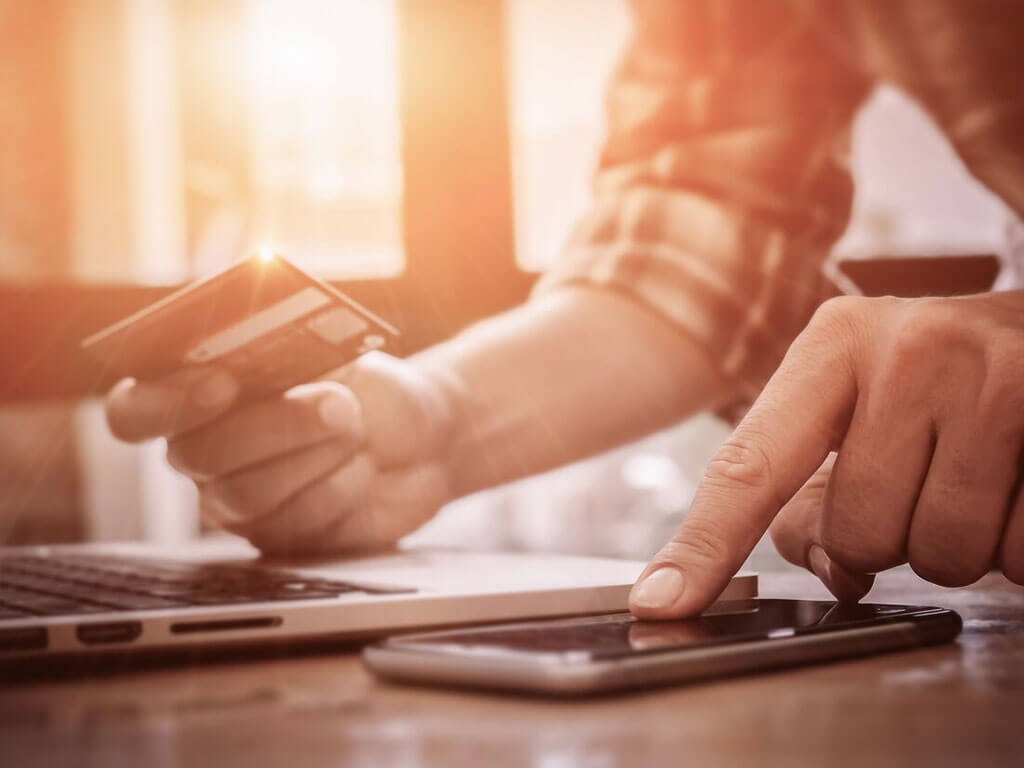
x: 75, y: 584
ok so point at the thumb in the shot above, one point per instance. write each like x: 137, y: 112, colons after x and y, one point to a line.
x: 796, y: 533
x: 186, y: 399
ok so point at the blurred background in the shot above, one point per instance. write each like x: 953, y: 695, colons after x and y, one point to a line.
x: 429, y: 156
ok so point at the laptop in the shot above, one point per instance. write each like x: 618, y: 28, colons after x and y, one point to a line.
x: 67, y: 601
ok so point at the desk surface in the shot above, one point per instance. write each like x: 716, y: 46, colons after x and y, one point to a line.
x: 958, y: 704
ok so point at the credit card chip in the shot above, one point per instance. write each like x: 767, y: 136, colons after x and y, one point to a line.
x: 337, y: 324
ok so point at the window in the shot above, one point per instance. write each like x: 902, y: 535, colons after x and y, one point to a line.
x: 560, y: 57
x: 325, y: 167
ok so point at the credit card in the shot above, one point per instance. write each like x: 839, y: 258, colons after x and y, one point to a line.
x: 265, y: 320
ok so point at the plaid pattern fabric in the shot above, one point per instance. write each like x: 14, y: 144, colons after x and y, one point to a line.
x: 723, y: 181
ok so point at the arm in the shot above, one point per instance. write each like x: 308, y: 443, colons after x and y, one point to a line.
x: 892, y: 432
x: 569, y: 374
x: 359, y: 461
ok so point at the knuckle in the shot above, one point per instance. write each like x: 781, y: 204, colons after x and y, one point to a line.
x: 838, y: 309
x: 857, y: 545
x: 925, y: 320
x: 1001, y: 402
x: 699, y: 542
x: 924, y: 326
x: 912, y: 342
x: 189, y: 460
x: 742, y: 461
x: 835, y: 333
x: 845, y: 316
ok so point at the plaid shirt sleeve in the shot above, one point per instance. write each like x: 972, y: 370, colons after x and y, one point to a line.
x: 722, y: 183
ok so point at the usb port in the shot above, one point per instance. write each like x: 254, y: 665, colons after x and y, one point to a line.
x: 106, y: 632
x: 29, y: 639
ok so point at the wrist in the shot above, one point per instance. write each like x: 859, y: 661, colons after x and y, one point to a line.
x: 453, y: 404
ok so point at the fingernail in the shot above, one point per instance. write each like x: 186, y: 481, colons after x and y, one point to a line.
x: 338, y: 412
x: 843, y: 586
x: 216, y: 390
x: 819, y: 563
x: 659, y: 590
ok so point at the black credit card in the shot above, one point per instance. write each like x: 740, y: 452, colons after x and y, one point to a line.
x: 265, y: 320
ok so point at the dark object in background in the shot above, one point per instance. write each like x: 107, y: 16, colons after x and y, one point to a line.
x: 922, y: 276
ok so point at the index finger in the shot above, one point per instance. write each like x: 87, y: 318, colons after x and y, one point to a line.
x: 779, y: 444
x: 268, y: 429
x: 188, y: 398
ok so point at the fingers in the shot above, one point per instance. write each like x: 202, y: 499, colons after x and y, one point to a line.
x: 784, y: 438
x: 401, y: 501
x: 925, y: 396
x: 864, y: 514
x: 297, y: 523
x: 305, y: 416
x: 796, y: 533
x: 875, y: 484
x: 1011, y: 553
x: 247, y: 496
x: 140, y: 410
x: 408, y: 416
x: 357, y: 507
x: 964, y: 503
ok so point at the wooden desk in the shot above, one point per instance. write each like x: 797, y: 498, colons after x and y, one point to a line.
x: 960, y: 704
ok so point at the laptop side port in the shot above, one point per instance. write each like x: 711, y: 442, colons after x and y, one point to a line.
x: 222, y: 625
x: 107, y: 632
x: 22, y: 639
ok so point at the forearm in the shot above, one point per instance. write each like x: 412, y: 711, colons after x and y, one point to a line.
x: 570, y: 374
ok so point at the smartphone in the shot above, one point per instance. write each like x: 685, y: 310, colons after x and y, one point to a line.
x: 615, y: 652
x: 265, y: 320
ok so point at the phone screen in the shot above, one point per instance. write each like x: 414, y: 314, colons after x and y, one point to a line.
x: 613, y: 636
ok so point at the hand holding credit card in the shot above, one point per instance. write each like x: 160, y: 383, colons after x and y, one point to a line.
x: 271, y: 325
x: 352, y: 461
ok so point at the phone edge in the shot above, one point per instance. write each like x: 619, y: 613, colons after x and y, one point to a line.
x: 657, y: 670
